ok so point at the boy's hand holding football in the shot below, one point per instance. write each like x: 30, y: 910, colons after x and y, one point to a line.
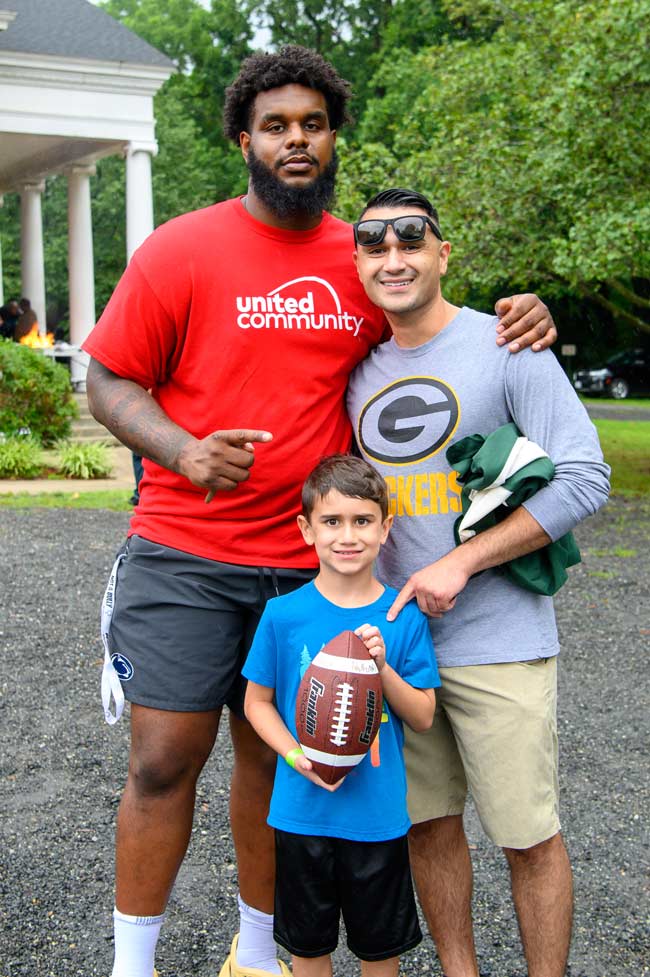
x: 372, y: 639
x: 415, y: 706
x: 303, y: 766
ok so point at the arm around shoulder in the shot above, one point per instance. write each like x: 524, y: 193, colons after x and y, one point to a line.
x: 524, y: 320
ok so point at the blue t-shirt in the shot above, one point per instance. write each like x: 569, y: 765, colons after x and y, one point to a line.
x: 370, y: 805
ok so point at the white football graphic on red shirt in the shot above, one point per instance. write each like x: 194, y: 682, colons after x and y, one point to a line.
x: 338, y: 709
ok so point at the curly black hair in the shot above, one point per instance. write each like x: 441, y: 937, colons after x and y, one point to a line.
x: 291, y: 65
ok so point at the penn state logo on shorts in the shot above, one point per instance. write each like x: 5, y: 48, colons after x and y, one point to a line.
x: 409, y: 420
x: 122, y: 666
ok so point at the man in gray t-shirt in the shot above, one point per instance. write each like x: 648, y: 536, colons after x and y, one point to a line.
x: 439, y: 379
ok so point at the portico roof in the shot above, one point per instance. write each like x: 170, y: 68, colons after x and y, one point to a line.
x: 74, y: 29
x: 75, y: 85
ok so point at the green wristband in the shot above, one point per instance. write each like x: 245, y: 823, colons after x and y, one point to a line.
x: 293, y: 755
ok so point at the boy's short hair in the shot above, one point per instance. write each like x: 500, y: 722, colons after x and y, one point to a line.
x: 291, y: 65
x: 348, y: 475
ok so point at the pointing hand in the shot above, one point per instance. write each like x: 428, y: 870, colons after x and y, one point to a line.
x: 221, y: 460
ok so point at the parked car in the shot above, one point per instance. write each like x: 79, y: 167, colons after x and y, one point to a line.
x: 624, y: 373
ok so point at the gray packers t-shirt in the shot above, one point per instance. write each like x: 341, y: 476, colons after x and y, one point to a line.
x: 407, y: 406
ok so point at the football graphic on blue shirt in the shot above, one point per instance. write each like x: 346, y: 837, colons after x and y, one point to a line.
x: 338, y: 709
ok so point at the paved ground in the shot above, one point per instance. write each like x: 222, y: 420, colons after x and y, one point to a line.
x: 62, y: 768
x: 616, y: 410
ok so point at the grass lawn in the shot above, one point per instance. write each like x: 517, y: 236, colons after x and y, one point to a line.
x: 626, y: 446
x: 114, y: 499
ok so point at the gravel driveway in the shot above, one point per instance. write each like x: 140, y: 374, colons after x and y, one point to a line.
x: 616, y: 410
x: 62, y: 768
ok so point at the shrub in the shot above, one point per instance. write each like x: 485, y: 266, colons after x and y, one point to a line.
x: 20, y: 458
x: 35, y: 394
x: 88, y: 460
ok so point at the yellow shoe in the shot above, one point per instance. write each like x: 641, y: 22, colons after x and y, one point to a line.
x: 231, y: 969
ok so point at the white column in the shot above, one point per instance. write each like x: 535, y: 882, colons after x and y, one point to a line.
x: 139, y: 194
x: 81, y: 267
x: 31, y: 250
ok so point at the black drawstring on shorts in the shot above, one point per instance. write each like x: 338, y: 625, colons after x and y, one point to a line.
x: 275, y: 583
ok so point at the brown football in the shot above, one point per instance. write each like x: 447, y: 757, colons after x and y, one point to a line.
x: 338, y: 709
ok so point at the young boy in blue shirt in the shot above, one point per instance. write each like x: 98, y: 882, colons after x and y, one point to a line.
x: 342, y: 848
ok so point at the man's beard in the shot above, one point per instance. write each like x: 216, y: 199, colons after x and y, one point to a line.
x: 286, y: 201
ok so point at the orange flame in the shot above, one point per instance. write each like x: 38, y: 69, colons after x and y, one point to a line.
x: 34, y: 340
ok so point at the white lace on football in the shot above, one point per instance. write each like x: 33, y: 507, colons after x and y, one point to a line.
x: 341, y: 714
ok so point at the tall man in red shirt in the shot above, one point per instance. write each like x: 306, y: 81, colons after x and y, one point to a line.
x: 244, y: 321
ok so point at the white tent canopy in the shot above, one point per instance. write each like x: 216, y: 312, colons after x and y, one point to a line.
x: 75, y: 85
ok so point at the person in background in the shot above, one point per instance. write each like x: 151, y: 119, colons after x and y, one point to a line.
x: 138, y: 472
x: 9, y: 315
x: 26, y: 321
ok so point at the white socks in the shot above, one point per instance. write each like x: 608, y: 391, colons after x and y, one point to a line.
x: 136, y: 938
x: 135, y: 944
x: 255, y: 946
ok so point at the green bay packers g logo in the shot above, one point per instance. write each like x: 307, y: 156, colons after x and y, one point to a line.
x: 408, y: 421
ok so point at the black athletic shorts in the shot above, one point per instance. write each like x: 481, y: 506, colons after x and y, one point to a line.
x: 182, y: 625
x: 368, y: 882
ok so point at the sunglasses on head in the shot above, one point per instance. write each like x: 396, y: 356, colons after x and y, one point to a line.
x: 373, y: 231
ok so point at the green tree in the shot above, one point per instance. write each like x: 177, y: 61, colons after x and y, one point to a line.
x: 357, y: 37
x: 10, y: 245
x: 207, y: 47
x: 188, y: 173
x: 181, y: 29
x: 532, y: 143
x: 195, y: 165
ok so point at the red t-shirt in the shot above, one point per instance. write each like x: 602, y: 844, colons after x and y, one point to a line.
x: 235, y: 324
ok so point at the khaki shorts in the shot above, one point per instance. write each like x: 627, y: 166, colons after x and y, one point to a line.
x: 494, y: 732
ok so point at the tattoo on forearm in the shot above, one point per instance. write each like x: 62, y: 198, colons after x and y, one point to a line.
x: 134, y: 417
